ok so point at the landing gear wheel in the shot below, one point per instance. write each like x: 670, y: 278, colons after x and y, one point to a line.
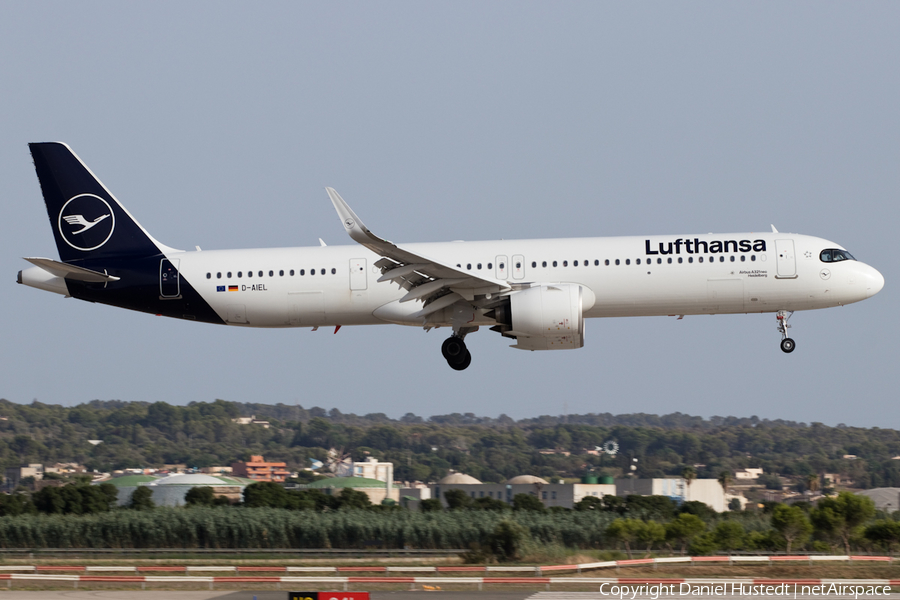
x: 454, y: 349
x: 461, y: 366
x: 787, y: 345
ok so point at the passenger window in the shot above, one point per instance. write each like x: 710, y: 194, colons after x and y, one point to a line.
x: 700, y: 259
x: 554, y: 263
x: 627, y: 261
x: 565, y: 263
x: 669, y: 260
x: 302, y: 272
x: 721, y: 259
x: 544, y: 264
x: 292, y: 272
x: 490, y: 266
x: 260, y: 273
x: 659, y: 261
x: 680, y: 260
x: 333, y: 271
x: 617, y: 262
x: 575, y: 264
x: 503, y: 265
x: 281, y: 273
x: 219, y: 275
x: 586, y: 263
x: 239, y: 274
x: 607, y: 262
x: 312, y: 271
x: 732, y: 258
x: 249, y: 273
x: 637, y: 262
x: 518, y: 265
x: 752, y: 258
x: 596, y: 263
x: 690, y: 259
x: 229, y: 275
x: 743, y: 258
x: 323, y: 271
x: 271, y: 273
x: 479, y: 266
x: 469, y: 266
x: 533, y: 265
x: 209, y: 275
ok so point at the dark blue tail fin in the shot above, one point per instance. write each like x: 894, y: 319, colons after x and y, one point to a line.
x: 87, y: 221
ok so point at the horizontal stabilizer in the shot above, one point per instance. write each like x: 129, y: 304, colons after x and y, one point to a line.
x: 72, y: 272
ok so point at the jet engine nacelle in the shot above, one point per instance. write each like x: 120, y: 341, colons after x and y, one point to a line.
x: 549, y: 317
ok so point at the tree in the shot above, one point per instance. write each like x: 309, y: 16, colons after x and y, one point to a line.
x: 812, y: 482
x: 266, y: 493
x: 15, y: 504
x: 885, y: 533
x: 689, y: 474
x: 589, y: 503
x: 729, y: 535
x: 842, y: 517
x: 624, y: 531
x: 350, y: 498
x: 199, y: 496
x: 792, y: 524
x: 49, y: 500
x: 701, y: 509
x: 683, y: 528
x: 489, y: 504
x: 650, y: 534
x: 734, y: 505
x: 528, y: 502
x: 457, y: 499
x: 508, y: 540
x: 725, y: 480
x: 142, y: 499
x: 431, y: 505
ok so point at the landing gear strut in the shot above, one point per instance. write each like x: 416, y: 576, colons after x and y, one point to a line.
x: 455, y: 352
x: 787, y: 344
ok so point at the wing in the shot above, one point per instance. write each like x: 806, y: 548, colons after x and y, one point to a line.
x: 434, y: 282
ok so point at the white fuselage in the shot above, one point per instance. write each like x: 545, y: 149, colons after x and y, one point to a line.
x: 787, y: 274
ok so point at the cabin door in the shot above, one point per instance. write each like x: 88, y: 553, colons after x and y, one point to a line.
x: 169, y: 284
x: 786, y: 264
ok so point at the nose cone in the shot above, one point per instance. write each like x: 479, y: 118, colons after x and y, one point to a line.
x: 874, y: 281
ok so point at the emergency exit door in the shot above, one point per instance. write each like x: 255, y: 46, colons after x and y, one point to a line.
x: 358, y: 276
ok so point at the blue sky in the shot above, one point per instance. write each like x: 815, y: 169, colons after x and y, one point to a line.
x: 219, y: 125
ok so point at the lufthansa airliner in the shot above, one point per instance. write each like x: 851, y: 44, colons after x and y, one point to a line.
x: 537, y: 292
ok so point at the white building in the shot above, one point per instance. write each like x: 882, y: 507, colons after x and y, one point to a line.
x: 551, y: 494
x: 708, y: 491
x: 748, y: 473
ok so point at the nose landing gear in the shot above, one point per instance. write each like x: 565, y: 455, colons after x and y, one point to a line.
x: 787, y: 344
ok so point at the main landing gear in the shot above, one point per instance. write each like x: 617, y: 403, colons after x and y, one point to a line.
x: 787, y: 344
x: 455, y: 352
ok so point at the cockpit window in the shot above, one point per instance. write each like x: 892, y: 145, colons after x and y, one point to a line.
x: 835, y: 255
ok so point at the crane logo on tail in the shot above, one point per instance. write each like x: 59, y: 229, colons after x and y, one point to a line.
x: 86, y: 222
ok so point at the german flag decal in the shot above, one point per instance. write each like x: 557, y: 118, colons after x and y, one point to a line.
x: 232, y: 288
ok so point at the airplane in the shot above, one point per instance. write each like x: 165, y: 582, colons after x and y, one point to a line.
x: 536, y: 293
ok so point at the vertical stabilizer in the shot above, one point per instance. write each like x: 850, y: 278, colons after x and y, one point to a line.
x: 87, y: 220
